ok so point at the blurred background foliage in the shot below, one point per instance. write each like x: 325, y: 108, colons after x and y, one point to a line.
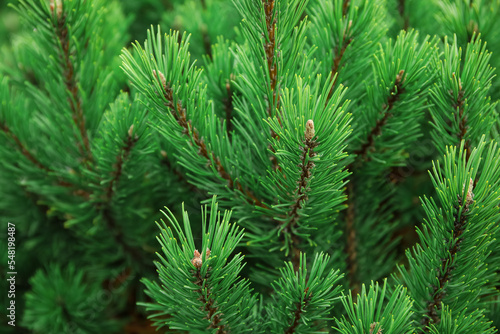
x: 206, y: 20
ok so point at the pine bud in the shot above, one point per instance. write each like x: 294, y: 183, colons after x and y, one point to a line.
x: 372, y: 328
x: 309, y: 133
x: 196, y: 261
x: 399, y: 77
x: 57, y: 5
x: 470, y: 195
x: 131, y: 130
x: 207, y: 253
x: 163, y: 80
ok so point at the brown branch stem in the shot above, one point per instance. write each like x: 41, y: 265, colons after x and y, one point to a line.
x: 339, y: 54
x: 462, y: 119
x: 351, y: 242
x: 180, y: 115
x: 209, y: 304
x: 110, y: 191
x: 306, y: 166
x: 297, y: 314
x: 26, y: 152
x: 376, y: 131
x: 71, y: 83
x: 434, y: 306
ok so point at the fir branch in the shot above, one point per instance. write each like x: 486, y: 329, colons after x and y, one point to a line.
x: 207, y: 301
x: 460, y: 222
x: 62, y: 34
x: 394, y: 95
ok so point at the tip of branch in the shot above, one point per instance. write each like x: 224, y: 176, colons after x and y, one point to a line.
x: 309, y: 133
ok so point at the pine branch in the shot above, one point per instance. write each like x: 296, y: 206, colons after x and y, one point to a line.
x: 27, y: 153
x: 376, y: 131
x: 121, y: 158
x: 208, y: 301
x: 24, y: 151
x: 340, y: 50
x: 306, y: 167
x: 63, y: 36
x: 272, y: 68
x: 178, y: 111
x: 370, y: 314
x: 110, y: 191
x: 270, y: 49
x: 297, y: 314
x: 460, y: 222
x: 204, y: 291
x: 461, y: 118
x: 448, y: 268
x: 303, y: 297
x: 461, y: 108
x: 346, y: 41
x: 352, y: 244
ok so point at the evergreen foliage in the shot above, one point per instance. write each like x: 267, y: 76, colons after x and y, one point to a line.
x: 314, y: 125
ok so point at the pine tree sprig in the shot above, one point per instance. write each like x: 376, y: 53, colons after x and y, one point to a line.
x: 309, y: 182
x: 162, y: 71
x: 448, y: 268
x: 462, y: 109
x: 202, y: 286
x: 372, y: 313
x: 304, y: 298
